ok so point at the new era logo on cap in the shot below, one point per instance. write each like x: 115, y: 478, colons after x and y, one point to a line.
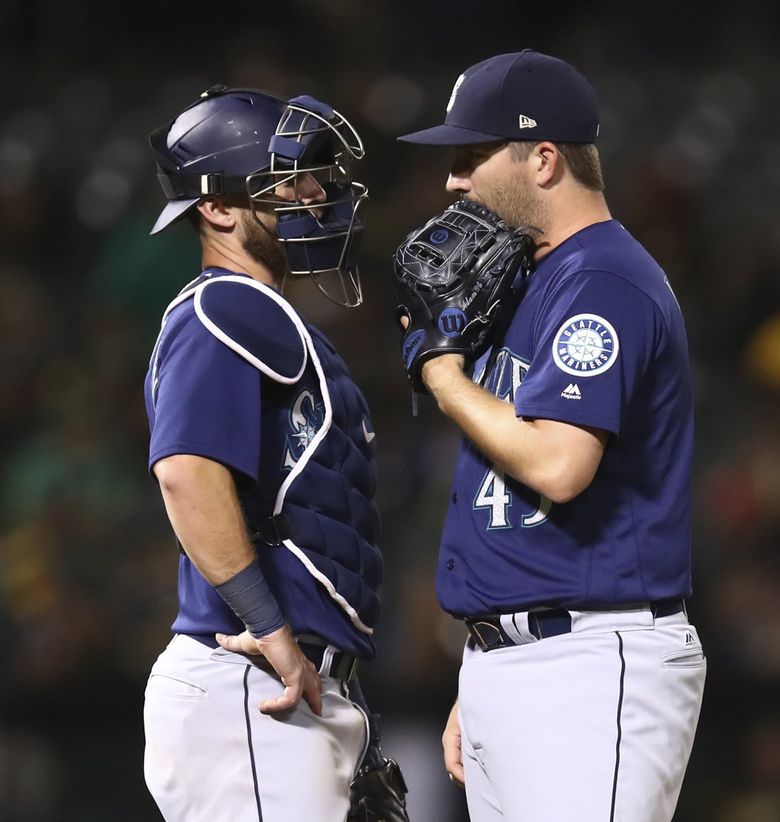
x: 556, y: 101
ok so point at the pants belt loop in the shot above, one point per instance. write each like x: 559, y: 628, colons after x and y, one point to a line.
x: 517, y: 628
x: 327, y: 660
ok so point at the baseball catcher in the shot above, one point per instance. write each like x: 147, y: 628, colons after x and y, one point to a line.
x: 452, y: 276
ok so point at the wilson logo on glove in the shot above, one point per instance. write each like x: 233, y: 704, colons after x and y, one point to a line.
x: 452, y: 321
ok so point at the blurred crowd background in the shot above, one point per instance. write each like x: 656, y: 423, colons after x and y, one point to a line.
x: 691, y: 149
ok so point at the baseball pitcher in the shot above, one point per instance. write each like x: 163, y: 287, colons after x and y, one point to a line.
x: 566, y: 543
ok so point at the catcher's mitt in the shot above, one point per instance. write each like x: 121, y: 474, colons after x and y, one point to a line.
x: 377, y: 794
x: 451, y: 277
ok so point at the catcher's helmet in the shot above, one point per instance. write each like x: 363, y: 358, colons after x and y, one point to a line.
x: 244, y: 141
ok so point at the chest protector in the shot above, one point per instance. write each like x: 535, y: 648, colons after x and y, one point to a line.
x: 324, y: 512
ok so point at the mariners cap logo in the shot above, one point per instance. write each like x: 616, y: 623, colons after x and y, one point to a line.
x: 458, y: 84
x: 585, y: 345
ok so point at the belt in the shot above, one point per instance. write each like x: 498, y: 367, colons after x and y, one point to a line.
x: 488, y: 633
x: 327, y: 660
x: 341, y: 665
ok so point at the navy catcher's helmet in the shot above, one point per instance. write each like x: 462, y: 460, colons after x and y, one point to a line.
x: 243, y: 141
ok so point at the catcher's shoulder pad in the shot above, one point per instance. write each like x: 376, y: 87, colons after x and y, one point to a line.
x: 256, y: 322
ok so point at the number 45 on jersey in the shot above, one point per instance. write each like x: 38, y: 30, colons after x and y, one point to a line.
x: 494, y: 495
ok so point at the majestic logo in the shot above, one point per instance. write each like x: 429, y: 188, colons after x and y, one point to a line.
x: 571, y: 392
x: 451, y: 322
x: 585, y: 345
x: 526, y: 122
x: 306, y: 419
x: 455, y: 88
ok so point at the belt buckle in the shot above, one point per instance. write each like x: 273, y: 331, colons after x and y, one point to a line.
x: 487, y: 635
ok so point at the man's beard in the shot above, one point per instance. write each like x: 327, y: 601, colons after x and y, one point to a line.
x: 514, y: 203
x: 264, y: 248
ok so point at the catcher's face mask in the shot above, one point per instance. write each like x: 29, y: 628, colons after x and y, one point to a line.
x: 315, y: 145
x: 247, y: 142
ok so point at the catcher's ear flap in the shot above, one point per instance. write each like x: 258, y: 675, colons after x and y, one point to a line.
x: 401, y: 314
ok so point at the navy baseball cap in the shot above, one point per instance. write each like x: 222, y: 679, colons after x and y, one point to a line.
x: 525, y: 95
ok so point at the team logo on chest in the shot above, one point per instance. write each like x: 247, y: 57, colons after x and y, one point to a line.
x: 306, y: 418
x: 585, y: 345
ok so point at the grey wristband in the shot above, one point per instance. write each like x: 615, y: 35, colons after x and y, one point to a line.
x: 250, y: 598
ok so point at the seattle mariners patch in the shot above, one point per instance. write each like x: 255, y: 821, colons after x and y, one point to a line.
x: 306, y: 418
x: 585, y: 345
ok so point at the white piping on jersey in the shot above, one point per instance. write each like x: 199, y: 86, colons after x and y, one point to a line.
x: 318, y: 437
x: 237, y: 347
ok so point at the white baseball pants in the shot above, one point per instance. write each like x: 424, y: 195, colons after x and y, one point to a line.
x: 211, y: 756
x: 595, y: 726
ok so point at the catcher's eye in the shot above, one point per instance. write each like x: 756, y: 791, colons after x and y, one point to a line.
x: 303, y: 188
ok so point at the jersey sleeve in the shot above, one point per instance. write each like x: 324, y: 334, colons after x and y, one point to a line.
x: 206, y: 399
x: 594, y: 338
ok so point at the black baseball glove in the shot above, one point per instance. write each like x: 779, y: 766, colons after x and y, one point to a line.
x: 378, y: 794
x: 451, y: 278
x: 378, y: 791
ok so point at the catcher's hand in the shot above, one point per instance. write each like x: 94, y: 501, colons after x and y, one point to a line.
x: 378, y: 794
x: 451, y: 277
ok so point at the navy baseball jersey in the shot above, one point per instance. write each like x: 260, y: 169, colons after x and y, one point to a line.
x: 598, y: 340
x: 236, y: 376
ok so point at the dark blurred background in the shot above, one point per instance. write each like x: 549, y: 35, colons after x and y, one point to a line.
x: 691, y: 149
